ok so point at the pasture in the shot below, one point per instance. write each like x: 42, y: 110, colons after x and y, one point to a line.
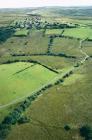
x: 21, y: 32
x: 61, y: 105
x: 54, y: 31
x: 68, y: 103
x: 82, y: 32
x: 20, y: 79
x: 66, y: 46
x: 87, y: 47
x: 34, y: 43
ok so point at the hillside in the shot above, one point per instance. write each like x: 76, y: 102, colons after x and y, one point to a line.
x: 46, y: 73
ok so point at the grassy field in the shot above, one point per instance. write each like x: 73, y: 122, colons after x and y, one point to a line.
x: 53, y: 31
x: 46, y: 60
x: 68, y: 104
x: 87, y: 47
x: 82, y: 32
x: 35, y: 43
x: 67, y: 46
x: 21, y: 32
x: 19, y: 80
x: 73, y: 79
x: 55, y: 62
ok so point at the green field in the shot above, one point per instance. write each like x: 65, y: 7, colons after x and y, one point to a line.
x: 55, y: 62
x: 35, y: 43
x: 68, y: 104
x: 66, y: 46
x: 53, y: 31
x: 21, y: 32
x: 87, y: 47
x: 82, y: 32
x: 19, y: 80
x: 54, y: 91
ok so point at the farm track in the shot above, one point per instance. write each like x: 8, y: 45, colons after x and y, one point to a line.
x: 83, y: 53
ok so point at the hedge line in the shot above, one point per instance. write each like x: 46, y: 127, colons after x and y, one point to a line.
x: 46, y: 54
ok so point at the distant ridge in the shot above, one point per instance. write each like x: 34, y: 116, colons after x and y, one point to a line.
x: 54, y: 10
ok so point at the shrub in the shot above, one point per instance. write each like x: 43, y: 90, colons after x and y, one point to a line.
x: 23, y: 119
x: 67, y: 127
x: 86, y: 132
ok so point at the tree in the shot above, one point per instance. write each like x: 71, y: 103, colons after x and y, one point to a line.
x: 67, y: 127
x: 23, y: 119
x: 86, y: 131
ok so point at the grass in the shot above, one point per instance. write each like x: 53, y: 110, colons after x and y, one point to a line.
x: 21, y: 32
x: 34, y: 43
x: 54, y: 62
x: 5, y: 111
x: 68, y: 104
x: 67, y: 46
x: 53, y: 31
x: 51, y: 61
x: 82, y: 32
x: 17, y: 82
x: 87, y: 47
x: 73, y: 79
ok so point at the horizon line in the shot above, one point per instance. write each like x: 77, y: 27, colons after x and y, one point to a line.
x: 71, y: 6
